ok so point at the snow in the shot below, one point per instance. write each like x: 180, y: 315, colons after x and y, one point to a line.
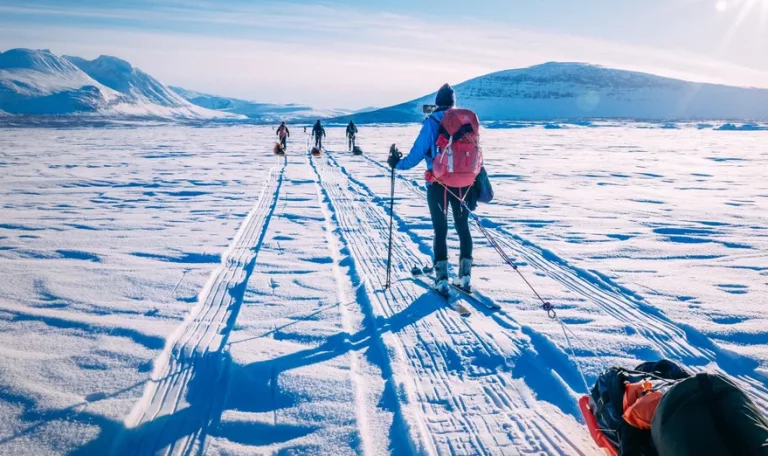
x: 35, y: 82
x: 259, y: 112
x: 174, y: 289
x: 562, y: 90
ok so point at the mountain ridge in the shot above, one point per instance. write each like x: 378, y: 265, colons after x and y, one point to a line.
x: 39, y: 83
x: 572, y: 90
x: 258, y: 111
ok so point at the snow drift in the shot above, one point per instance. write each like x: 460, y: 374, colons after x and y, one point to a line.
x: 575, y: 90
x: 37, y: 82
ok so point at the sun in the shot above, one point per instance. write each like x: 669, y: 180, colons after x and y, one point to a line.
x: 721, y: 6
x: 743, y: 9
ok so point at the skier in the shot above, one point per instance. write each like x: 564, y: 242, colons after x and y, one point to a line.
x: 283, y: 133
x: 439, y: 197
x: 318, y: 132
x: 351, y: 133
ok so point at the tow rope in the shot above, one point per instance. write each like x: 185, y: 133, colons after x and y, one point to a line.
x: 545, y: 305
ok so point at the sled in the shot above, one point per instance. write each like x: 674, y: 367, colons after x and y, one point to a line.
x: 594, y: 431
x: 278, y: 149
x: 357, y: 151
x: 316, y: 152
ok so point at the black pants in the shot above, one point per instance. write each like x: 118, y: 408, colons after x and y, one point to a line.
x: 436, y: 199
x: 351, y: 142
x: 319, y: 142
x: 284, y: 141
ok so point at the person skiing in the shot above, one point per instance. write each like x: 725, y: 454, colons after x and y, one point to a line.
x: 439, y: 197
x: 351, y: 133
x: 318, y: 132
x: 283, y: 134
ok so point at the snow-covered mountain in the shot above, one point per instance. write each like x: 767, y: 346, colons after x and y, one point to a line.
x: 261, y: 112
x: 121, y: 76
x: 575, y: 90
x: 366, y: 109
x: 37, y: 82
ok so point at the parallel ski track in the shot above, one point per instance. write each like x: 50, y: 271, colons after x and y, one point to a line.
x: 670, y: 339
x: 490, y: 414
x: 344, y: 287
x: 189, y: 379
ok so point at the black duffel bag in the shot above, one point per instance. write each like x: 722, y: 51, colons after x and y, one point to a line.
x: 709, y: 415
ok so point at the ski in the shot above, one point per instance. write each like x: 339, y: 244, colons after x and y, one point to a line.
x: 474, y: 296
x: 477, y: 297
x: 449, y: 300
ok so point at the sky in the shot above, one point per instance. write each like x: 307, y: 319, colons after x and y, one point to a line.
x: 360, y: 53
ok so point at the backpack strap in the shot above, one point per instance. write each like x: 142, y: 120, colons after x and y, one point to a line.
x: 433, y: 147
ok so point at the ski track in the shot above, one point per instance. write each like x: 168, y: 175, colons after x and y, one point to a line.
x: 189, y: 379
x: 669, y: 339
x: 343, y: 287
x: 457, y: 373
x: 455, y: 386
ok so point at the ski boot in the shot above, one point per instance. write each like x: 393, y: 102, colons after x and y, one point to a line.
x: 441, y: 278
x: 465, y: 275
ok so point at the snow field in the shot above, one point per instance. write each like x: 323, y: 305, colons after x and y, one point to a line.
x: 176, y: 290
x: 107, y: 238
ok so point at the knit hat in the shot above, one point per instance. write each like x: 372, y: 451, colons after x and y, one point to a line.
x: 445, y: 97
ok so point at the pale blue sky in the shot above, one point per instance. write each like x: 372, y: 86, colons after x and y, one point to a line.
x: 345, y: 53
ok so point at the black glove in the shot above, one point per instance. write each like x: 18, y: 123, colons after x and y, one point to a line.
x: 394, y: 157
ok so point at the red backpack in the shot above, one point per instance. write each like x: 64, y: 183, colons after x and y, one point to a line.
x: 459, y: 158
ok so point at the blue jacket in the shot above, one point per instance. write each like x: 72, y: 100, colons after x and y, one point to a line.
x: 424, y: 147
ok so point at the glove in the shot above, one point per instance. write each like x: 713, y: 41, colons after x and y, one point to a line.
x: 394, y: 157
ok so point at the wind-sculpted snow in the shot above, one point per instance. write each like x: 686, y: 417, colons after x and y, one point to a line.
x: 106, y: 239
x: 179, y: 290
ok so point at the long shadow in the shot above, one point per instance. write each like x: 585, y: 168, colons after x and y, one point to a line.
x: 73, y: 413
x: 206, y: 388
x: 258, y: 393
x: 254, y: 387
x: 114, y: 437
x: 112, y: 432
x: 536, y: 361
x: 204, y: 394
x: 343, y: 342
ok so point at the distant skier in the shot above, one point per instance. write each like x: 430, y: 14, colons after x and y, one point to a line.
x: 438, y: 197
x: 283, y: 134
x: 351, y: 134
x: 318, y: 132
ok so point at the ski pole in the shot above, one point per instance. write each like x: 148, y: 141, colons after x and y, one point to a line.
x: 391, y: 215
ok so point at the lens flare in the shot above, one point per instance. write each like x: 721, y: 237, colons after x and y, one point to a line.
x: 721, y: 6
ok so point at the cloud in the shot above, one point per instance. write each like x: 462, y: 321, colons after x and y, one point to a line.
x: 325, y: 56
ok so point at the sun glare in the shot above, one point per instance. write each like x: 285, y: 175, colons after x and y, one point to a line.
x: 742, y: 10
